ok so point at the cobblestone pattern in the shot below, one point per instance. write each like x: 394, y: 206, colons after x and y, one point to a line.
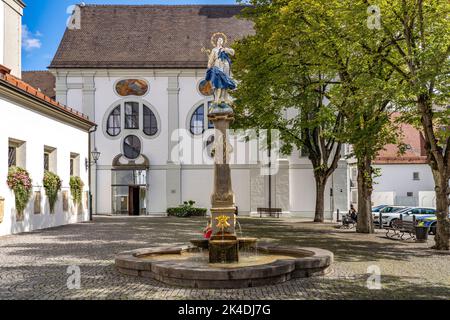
x: 34, y: 265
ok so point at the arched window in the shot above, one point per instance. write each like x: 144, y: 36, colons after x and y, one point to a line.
x: 132, y: 147
x: 131, y: 115
x: 198, y: 120
x: 150, y: 122
x: 113, y: 126
x: 197, y: 124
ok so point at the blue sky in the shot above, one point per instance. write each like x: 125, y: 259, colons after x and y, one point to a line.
x: 45, y: 21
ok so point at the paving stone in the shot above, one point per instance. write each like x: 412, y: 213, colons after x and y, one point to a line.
x: 34, y: 265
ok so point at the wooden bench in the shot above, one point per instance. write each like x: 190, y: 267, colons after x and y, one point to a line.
x: 400, y: 228
x: 270, y: 211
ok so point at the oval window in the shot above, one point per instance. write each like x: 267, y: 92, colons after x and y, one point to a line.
x: 132, y: 87
x: 132, y: 147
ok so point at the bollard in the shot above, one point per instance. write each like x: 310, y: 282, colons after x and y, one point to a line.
x: 338, y: 216
x: 381, y: 220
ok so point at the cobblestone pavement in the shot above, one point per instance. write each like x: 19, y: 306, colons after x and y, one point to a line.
x: 34, y: 265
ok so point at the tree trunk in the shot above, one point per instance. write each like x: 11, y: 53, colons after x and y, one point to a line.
x: 320, y: 198
x: 438, y: 159
x: 365, y: 219
x: 442, y: 237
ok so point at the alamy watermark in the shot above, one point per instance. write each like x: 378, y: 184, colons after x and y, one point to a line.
x: 374, y: 280
x: 374, y: 19
x: 74, y: 279
x: 237, y: 147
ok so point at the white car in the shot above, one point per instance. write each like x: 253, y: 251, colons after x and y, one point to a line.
x: 407, y: 214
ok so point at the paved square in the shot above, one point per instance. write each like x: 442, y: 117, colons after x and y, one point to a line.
x: 34, y: 265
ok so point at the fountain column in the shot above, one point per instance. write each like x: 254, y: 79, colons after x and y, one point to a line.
x: 223, y: 245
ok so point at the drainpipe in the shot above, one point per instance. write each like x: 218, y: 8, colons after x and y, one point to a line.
x: 92, y: 130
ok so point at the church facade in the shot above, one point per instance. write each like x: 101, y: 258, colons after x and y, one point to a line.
x: 138, y: 72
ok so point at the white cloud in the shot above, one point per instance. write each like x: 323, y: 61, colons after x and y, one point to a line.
x: 30, y: 41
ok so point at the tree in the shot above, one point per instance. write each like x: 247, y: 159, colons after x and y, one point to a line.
x: 416, y: 37
x: 277, y: 92
x: 326, y: 35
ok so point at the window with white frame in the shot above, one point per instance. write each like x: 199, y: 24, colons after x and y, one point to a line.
x: 74, y: 165
x: 16, y: 153
x: 50, y: 159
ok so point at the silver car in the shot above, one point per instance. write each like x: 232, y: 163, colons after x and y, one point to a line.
x: 406, y: 214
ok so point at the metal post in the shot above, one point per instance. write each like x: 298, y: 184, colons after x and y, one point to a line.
x: 337, y: 219
x: 381, y: 220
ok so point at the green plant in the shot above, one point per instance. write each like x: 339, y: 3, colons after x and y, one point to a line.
x: 186, y: 210
x: 52, y: 185
x: 76, y: 189
x: 20, y: 183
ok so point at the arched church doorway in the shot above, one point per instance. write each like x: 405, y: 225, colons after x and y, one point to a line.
x: 129, y: 186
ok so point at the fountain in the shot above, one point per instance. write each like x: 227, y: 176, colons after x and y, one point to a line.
x: 216, y: 262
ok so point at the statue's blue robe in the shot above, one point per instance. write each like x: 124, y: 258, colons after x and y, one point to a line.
x: 218, y: 78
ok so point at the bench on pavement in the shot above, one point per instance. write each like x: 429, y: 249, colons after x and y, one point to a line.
x: 270, y: 211
x: 399, y: 228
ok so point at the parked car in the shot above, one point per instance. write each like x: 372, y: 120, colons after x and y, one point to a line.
x: 378, y: 208
x: 429, y: 221
x: 407, y: 214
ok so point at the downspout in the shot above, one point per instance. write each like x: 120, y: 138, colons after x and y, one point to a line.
x: 92, y: 130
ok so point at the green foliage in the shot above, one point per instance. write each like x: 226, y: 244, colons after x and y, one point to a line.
x: 20, y: 183
x: 76, y: 189
x: 280, y: 90
x: 186, y: 210
x: 52, y: 185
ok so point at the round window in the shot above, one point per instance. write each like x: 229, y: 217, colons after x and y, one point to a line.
x: 205, y: 88
x: 132, y: 147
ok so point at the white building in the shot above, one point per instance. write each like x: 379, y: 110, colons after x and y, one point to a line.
x: 404, y: 179
x: 37, y: 134
x: 137, y: 72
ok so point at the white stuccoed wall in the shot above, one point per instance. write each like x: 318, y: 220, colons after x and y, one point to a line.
x: 174, y: 96
x: 398, y: 178
x: 11, y: 35
x: 38, y: 130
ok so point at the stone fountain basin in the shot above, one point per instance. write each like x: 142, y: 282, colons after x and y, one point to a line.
x: 303, y: 262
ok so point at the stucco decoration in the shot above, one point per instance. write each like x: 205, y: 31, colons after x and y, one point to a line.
x: 121, y: 162
x: 132, y: 87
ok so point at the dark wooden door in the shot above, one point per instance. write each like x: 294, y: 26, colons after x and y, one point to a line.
x: 133, y: 201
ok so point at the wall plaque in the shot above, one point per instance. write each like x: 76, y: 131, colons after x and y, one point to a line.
x: 37, y: 202
x: 65, y: 201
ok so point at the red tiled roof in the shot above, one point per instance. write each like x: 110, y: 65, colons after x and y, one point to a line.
x: 43, y: 80
x: 415, y: 154
x: 28, y: 89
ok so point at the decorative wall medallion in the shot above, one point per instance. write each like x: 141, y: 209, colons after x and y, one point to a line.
x: 2, y: 208
x: 37, y: 202
x: 205, y: 88
x: 132, y: 87
x: 65, y: 201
